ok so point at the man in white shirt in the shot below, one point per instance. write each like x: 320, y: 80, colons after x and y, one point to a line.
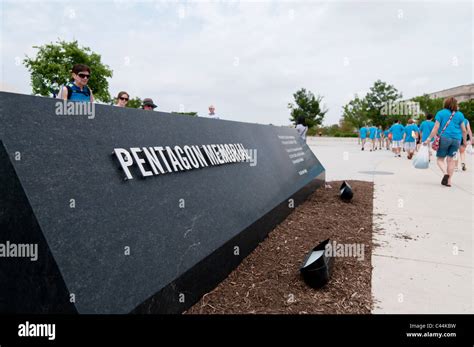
x: 301, y: 127
x: 212, y: 113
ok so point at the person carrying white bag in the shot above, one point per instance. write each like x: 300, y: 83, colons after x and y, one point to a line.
x: 469, y: 149
x: 465, y: 146
x: 422, y: 158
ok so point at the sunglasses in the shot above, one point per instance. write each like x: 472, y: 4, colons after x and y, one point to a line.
x: 82, y: 75
x: 124, y: 99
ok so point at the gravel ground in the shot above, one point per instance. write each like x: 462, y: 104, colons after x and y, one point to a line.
x: 268, y: 280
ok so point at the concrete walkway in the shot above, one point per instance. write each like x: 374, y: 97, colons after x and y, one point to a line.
x: 424, y: 262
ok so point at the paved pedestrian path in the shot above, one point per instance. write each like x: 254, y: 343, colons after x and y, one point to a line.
x: 424, y: 261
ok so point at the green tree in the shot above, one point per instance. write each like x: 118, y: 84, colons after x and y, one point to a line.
x: 193, y: 114
x: 467, y: 108
x: 356, y: 112
x: 429, y: 105
x: 380, y: 95
x: 333, y: 129
x: 135, y: 103
x: 52, y: 65
x: 308, y: 106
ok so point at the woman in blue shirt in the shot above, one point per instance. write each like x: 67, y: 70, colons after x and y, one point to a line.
x: 411, y: 133
x: 77, y: 89
x: 450, y: 138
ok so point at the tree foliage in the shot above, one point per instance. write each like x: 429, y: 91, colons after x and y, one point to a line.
x: 52, y: 65
x: 370, y: 109
x: 136, y: 102
x: 379, y: 95
x: 467, y: 108
x: 192, y: 114
x: 429, y: 105
x: 308, y: 106
x: 356, y: 112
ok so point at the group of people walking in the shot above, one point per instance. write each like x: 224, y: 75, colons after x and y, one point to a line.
x: 450, y: 131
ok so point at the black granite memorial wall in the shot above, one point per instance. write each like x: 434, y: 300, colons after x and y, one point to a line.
x: 135, y: 211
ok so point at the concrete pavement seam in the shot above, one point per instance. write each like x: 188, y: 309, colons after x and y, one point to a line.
x: 422, y: 261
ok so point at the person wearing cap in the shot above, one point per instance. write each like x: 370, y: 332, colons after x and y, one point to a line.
x: 148, y: 104
x: 212, y: 113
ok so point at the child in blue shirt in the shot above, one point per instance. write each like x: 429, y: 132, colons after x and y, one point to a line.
x: 411, y: 133
x: 378, y: 136
x: 372, y: 133
x: 426, y: 126
x: 397, y: 131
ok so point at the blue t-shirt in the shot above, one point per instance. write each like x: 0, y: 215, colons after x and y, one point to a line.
x: 386, y: 133
x: 397, y: 131
x: 408, y: 131
x: 77, y: 94
x: 453, y: 131
x: 379, y: 132
x: 372, y: 130
x: 363, y: 133
x: 425, y: 128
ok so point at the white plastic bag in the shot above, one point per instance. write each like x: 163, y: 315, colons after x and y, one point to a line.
x: 422, y: 158
x: 469, y: 149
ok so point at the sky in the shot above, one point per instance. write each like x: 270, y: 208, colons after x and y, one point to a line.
x: 248, y: 57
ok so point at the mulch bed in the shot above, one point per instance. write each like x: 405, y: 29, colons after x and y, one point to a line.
x: 268, y: 280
